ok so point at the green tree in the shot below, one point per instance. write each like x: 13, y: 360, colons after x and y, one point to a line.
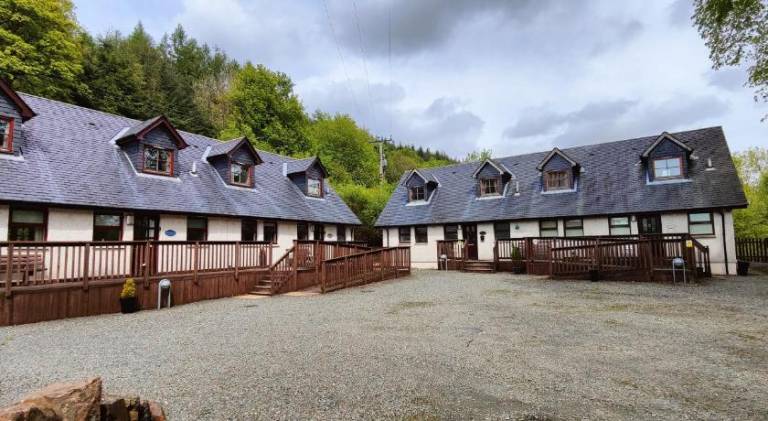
x: 736, y: 32
x: 265, y: 108
x: 344, y: 148
x: 752, y: 166
x: 40, y: 47
x: 367, y: 203
x: 481, y: 155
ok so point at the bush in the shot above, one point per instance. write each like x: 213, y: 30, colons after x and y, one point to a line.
x: 129, y: 289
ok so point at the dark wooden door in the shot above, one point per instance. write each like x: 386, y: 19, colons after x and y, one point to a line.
x: 469, y: 232
x: 145, y: 228
x: 649, y: 224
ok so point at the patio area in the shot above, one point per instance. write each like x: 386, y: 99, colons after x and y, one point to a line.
x: 434, y: 345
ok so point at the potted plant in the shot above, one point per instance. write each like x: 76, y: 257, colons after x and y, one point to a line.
x: 517, y: 260
x: 128, y: 301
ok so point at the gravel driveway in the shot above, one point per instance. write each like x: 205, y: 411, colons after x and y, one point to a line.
x: 435, y: 345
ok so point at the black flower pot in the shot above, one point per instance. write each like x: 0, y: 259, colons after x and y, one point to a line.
x: 129, y: 305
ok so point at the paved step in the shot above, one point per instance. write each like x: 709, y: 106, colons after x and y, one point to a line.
x: 479, y: 266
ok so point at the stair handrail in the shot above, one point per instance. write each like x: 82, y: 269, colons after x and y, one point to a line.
x: 275, y: 285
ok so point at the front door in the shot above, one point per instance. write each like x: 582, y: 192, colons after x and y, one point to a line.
x: 145, y: 228
x: 649, y: 224
x: 469, y: 232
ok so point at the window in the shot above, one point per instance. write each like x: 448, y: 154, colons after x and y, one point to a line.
x: 107, y: 227
x: 27, y: 225
x: 557, y: 180
x: 417, y: 193
x: 302, y: 231
x: 667, y: 167
x: 501, y: 230
x: 421, y: 234
x: 248, y: 230
x: 548, y: 228
x: 619, y: 225
x: 700, y: 223
x: 405, y: 235
x: 241, y: 173
x: 158, y: 160
x: 270, y: 232
x: 451, y: 232
x: 574, y: 228
x: 314, y: 187
x: 6, y: 134
x: 341, y: 233
x: 319, y: 232
x: 489, y: 186
x: 197, y: 228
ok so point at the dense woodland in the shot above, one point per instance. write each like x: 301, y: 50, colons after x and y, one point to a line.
x: 200, y: 89
x: 44, y: 51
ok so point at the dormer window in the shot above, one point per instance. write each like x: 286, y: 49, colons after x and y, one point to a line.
x: 418, y: 193
x: 666, y: 168
x: 314, y: 187
x: 158, y: 161
x: 557, y: 180
x: 6, y: 134
x: 240, y: 174
x: 489, y: 187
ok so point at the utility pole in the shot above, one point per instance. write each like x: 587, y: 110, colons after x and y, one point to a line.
x: 382, y: 160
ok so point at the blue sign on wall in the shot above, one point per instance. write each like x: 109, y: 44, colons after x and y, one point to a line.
x: 170, y: 233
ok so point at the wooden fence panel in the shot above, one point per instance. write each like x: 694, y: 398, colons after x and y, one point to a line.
x: 752, y: 249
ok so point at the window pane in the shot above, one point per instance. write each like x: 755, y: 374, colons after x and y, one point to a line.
x: 573, y: 223
x: 548, y: 233
x: 197, y: 222
x: 405, y: 234
x: 248, y: 232
x: 240, y: 173
x: 28, y: 216
x: 620, y: 231
x: 302, y: 231
x: 107, y: 220
x: 451, y: 232
x: 501, y: 230
x: 666, y: 167
x: 341, y: 233
x: 107, y: 234
x: 620, y: 221
x: 313, y: 187
x: 5, y: 131
x: 549, y: 224
x: 700, y: 229
x: 574, y: 232
x: 421, y: 234
x: 700, y: 217
x: 417, y: 193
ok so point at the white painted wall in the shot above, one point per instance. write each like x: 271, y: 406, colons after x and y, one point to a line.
x: 520, y: 229
x: 224, y: 229
x: 69, y: 225
x: 177, y: 223
x: 5, y: 214
x: 330, y: 229
x: 286, y: 233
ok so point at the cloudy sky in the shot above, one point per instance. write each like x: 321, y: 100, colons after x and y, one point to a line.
x: 460, y: 75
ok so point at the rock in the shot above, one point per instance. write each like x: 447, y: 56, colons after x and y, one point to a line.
x: 156, y: 411
x: 76, y: 401
x: 114, y: 408
x: 24, y: 412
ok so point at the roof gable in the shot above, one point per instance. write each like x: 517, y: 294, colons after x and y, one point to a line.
x: 303, y: 165
x: 24, y: 109
x: 231, y: 147
x: 496, y: 165
x: 551, y: 155
x: 139, y: 131
x: 662, y: 137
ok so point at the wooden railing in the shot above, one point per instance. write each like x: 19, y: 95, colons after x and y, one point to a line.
x: 455, y: 252
x: 752, y: 249
x: 564, y: 256
x: 283, y: 270
x: 364, y: 267
x: 44, y: 263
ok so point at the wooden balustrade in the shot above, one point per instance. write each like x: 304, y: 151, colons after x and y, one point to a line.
x: 752, y: 249
x: 44, y: 263
x: 364, y: 267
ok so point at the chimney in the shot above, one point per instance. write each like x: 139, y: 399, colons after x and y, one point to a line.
x: 194, y: 168
x: 285, y: 169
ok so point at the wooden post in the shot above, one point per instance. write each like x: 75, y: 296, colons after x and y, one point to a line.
x: 197, y: 262
x: 528, y: 255
x: 9, y: 273
x: 295, y: 262
x: 86, y: 265
x: 237, y: 261
x: 147, y: 258
x: 322, y: 278
x: 346, y: 271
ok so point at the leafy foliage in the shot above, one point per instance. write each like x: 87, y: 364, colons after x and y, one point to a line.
x: 736, y: 32
x: 40, y: 47
x: 129, y: 289
x: 752, y: 166
x: 201, y: 90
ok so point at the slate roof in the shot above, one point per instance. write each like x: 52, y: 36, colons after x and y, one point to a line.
x: 612, y: 181
x: 69, y: 160
x: 223, y: 148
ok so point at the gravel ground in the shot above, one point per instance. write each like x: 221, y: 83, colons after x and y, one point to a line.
x: 432, y: 346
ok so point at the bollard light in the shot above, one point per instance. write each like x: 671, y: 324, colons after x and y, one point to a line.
x: 162, y: 286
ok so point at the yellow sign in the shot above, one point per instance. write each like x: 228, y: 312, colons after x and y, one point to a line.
x: 689, y: 244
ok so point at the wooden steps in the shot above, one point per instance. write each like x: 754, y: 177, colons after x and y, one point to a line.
x: 482, y: 266
x: 263, y: 286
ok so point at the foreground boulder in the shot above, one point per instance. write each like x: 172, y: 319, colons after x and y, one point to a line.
x: 81, y: 401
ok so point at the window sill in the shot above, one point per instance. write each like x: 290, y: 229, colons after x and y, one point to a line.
x: 703, y: 235
x: 558, y: 191
x: 668, y: 181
